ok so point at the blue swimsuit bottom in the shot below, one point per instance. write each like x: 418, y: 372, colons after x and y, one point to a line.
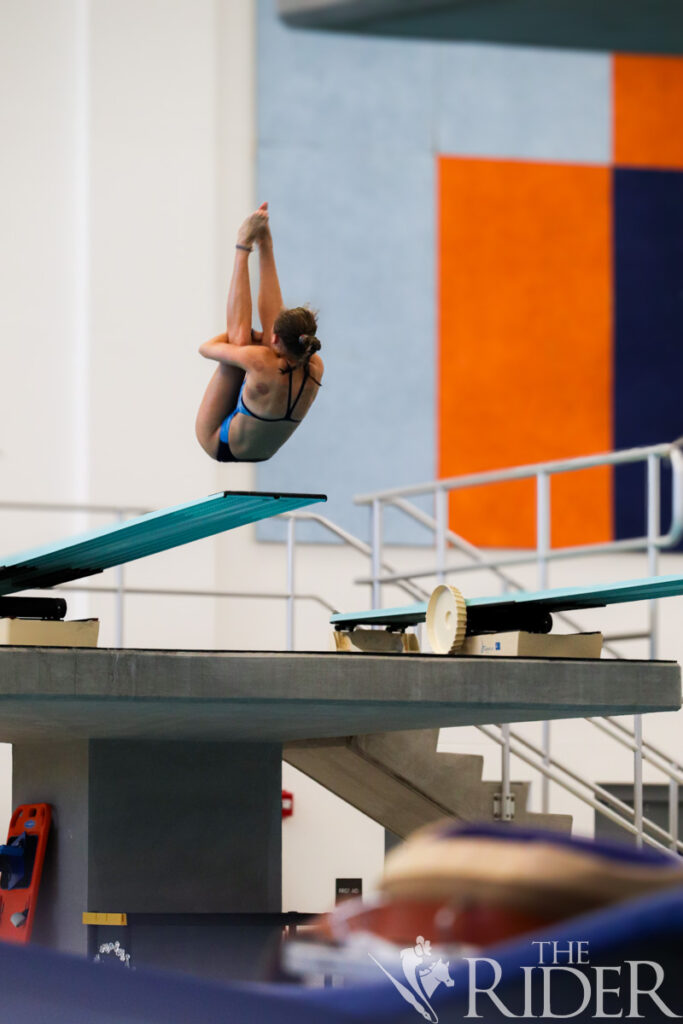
x: 224, y: 453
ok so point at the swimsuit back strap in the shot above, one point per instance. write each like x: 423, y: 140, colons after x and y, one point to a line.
x: 290, y: 371
x: 291, y: 406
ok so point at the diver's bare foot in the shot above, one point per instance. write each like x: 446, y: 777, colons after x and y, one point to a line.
x: 255, y: 227
x: 264, y: 237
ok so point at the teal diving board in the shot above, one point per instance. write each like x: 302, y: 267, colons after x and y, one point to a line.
x: 90, y: 553
x: 514, y: 607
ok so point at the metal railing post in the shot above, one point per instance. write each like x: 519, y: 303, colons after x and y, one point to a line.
x: 653, y: 514
x: 653, y: 524
x: 376, y: 553
x: 441, y: 521
x: 506, y: 789
x: 545, y: 781
x: 673, y: 811
x: 638, y: 778
x: 542, y: 550
x: 120, y: 596
x: 599, y: 798
x: 291, y: 540
x: 542, y: 527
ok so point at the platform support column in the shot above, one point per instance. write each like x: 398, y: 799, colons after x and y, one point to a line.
x: 180, y: 831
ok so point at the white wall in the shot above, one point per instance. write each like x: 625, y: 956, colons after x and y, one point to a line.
x: 128, y: 146
x: 39, y: 267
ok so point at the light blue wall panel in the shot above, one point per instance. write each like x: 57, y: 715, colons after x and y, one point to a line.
x: 338, y: 91
x: 346, y: 162
x: 524, y: 103
x: 349, y: 129
x: 360, y: 249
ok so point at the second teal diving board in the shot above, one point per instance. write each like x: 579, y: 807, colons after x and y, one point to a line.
x: 525, y: 609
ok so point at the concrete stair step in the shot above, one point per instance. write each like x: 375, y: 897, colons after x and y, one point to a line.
x: 400, y: 780
x: 412, y: 756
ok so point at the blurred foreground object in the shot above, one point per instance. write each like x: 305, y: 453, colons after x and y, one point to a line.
x: 619, y: 960
x: 468, y: 887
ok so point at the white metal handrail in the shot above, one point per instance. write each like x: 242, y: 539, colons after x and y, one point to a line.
x: 412, y: 589
x: 542, y: 472
x: 669, y: 450
x: 626, y: 812
x: 547, y: 772
x: 239, y: 595
x: 650, y: 752
x: 542, y: 555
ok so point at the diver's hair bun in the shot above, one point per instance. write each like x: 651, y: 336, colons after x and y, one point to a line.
x: 309, y: 344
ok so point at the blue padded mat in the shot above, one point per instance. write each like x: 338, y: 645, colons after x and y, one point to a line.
x: 92, y: 552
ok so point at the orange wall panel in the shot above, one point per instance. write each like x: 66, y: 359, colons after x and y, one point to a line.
x: 648, y: 111
x: 525, y: 361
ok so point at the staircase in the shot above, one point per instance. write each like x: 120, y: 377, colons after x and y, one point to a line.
x: 400, y: 780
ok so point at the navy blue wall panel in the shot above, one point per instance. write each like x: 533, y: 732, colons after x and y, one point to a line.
x: 648, y: 359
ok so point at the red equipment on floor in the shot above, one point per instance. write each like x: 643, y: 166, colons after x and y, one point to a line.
x: 21, y: 866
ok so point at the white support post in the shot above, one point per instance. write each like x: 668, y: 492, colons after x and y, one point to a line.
x: 120, y: 596
x: 542, y: 527
x: 545, y: 781
x: 291, y: 540
x: 506, y: 789
x: 638, y: 778
x: 542, y: 550
x: 441, y: 519
x: 376, y: 552
x: 673, y: 810
x: 653, y: 516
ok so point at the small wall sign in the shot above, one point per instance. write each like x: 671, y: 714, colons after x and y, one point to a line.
x: 346, y: 888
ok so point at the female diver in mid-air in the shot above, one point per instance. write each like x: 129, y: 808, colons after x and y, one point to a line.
x: 265, y: 382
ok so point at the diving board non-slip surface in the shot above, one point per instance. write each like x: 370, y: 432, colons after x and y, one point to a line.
x: 562, y: 599
x: 90, y: 553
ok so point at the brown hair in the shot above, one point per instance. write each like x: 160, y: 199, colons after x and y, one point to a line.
x: 296, y: 329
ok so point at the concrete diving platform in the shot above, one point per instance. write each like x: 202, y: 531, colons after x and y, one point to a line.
x: 67, y: 693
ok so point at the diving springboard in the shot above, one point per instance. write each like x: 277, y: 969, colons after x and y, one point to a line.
x: 523, y: 610
x: 148, y: 534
